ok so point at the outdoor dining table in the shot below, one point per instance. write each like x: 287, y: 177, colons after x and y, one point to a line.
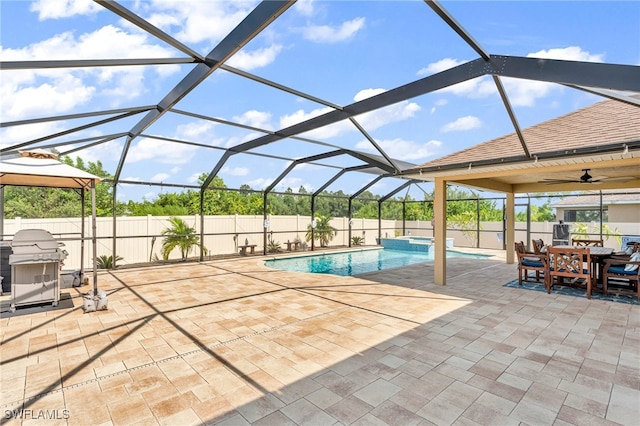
x: 598, y: 254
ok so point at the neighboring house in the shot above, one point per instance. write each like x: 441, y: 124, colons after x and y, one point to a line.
x: 617, y: 207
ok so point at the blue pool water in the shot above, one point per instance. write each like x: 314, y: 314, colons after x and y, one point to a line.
x: 358, y: 262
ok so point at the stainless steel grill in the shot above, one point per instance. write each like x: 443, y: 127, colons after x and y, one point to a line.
x: 35, y: 264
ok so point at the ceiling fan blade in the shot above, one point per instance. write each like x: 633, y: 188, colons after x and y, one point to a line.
x: 557, y: 181
x: 620, y: 179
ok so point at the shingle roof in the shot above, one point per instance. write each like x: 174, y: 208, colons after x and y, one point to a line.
x: 603, y: 123
x: 594, y: 199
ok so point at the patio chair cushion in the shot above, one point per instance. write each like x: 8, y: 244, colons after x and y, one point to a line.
x: 635, y: 257
x: 532, y: 262
x: 620, y: 270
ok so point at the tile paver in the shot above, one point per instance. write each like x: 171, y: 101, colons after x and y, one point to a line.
x: 232, y: 342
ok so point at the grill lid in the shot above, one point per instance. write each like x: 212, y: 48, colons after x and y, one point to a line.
x: 29, y: 258
x: 33, y: 241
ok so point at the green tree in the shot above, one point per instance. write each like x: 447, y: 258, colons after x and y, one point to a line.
x: 542, y: 213
x: 179, y: 235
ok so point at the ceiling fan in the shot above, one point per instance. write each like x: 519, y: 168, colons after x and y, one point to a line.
x: 585, y: 178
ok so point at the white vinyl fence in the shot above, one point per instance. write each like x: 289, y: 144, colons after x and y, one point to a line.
x: 139, y: 238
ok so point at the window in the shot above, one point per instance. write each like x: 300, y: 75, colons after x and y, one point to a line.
x: 586, y: 215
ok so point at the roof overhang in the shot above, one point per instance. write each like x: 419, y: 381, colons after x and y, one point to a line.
x: 524, y: 175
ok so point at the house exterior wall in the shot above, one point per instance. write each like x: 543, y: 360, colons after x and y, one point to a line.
x: 624, y: 213
x: 616, y: 212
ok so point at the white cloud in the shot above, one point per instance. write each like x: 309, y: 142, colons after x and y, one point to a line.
x: 194, y: 178
x: 294, y: 183
x: 571, y: 53
x: 132, y: 179
x: 521, y: 92
x: 129, y: 86
x: 391, y: 114
x: 371, y: 120
x: 299, y: 116
x: 402, y: 149
x: 527, y: 92
x: 249, y: 60
x: 367, y: 93
x: 308, y: 167
x: 160, y: 151
x: 468, y: 122
x: 21, y: 99
x: 305, y: 7
x: 160, y: 177
x: 236, y: 140
x: 234, y: 171
x: 18, y: 134
x: 438, y: 103
x: 260, y: 183
x: 55, y: 9
x: 196, y: 131
x: 198, y: 21
x: 50, y: 91
x: 477, y: 88
x: 328, y: 34
x: 439, y: 66
x: 107, y: 151
x: 254, y: 118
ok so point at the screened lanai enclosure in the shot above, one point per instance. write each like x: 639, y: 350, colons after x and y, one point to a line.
x: 216, y: 97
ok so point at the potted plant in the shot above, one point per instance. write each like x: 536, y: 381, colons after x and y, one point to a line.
x: 273, y: 246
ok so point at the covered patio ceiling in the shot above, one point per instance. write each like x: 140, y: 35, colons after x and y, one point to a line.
x: 130, y: 125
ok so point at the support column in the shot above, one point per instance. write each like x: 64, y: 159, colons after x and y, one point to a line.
x: 82, y: 234
x: 2, y: 212
x: 510, y: 238
x: 201, y: 225
x: 114, y: 224
x: 440, y: 232
x: 264, y: 223
x: 94, y: 237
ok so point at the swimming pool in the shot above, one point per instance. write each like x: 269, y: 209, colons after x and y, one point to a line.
x: 358, y: 262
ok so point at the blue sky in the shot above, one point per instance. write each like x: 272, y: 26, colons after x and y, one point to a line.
x: 338, y: 51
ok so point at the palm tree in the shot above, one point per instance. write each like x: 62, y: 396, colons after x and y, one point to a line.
x: 180, y: 235
x: 323, y: 231
x: 107, y: 262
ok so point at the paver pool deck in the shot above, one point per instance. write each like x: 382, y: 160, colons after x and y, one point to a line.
x: 232, y: 342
